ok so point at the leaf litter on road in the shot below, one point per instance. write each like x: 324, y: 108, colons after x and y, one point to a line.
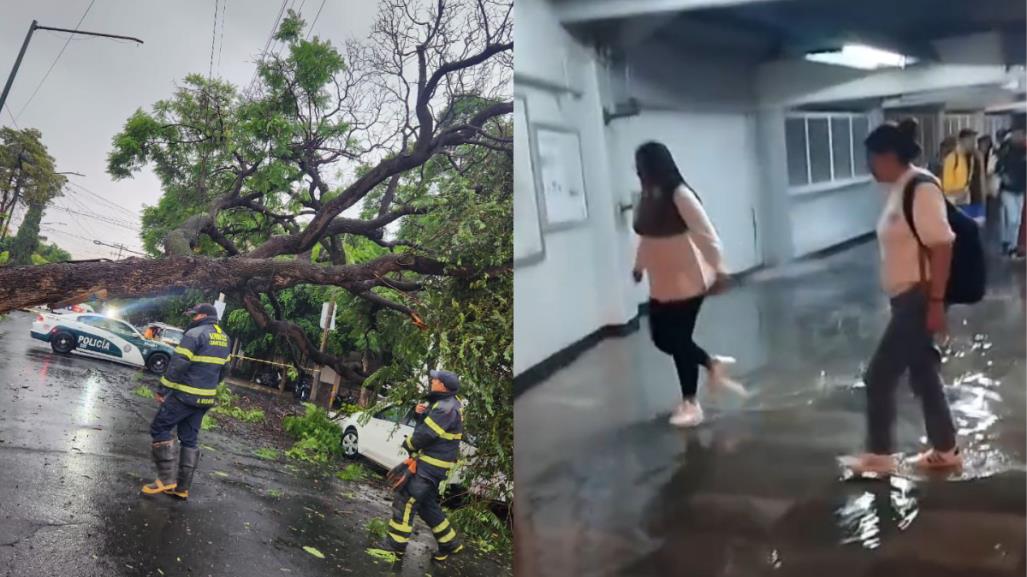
x: 313, y: 551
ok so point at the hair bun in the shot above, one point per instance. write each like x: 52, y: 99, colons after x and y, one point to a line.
x: 908, y: 127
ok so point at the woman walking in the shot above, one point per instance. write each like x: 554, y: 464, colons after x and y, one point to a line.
x: 914, y: 274
x: 680, y: 252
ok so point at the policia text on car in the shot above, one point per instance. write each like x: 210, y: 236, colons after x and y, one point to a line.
x: 187, y: 393
x: 434, y: 449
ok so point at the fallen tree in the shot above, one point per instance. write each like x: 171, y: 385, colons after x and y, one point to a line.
x: 255, y: 181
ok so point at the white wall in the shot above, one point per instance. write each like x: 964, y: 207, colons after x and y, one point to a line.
x: 583, y: 283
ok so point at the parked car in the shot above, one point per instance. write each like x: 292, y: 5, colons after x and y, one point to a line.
x: 101, y: 337
x: 380, y: 439
x: 166, y: 334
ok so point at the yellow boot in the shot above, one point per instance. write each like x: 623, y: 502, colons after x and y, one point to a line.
x: 164, y: 458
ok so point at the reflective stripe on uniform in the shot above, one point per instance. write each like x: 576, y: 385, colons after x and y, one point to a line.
x: 184, y: 352
x: 441, y: 526
x: 400, y: 526
x: 409, y: 444
x: 437, y: 462
x: 399, y: 538
x: 209, y: 360
x: 186, y: 388
x: 440, y: 431
x: 407, y: 511
x: 448, y: 536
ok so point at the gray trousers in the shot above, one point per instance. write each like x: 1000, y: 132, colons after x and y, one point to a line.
x: 906, y: 345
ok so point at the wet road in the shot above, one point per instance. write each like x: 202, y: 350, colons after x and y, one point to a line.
x: 74, y: 449
x: 607, y: 488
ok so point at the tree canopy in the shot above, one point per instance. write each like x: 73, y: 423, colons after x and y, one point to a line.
x: 376, y: 174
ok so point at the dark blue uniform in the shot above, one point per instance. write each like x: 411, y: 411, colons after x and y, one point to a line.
x: 189, y: 383
x: 435, y: 444
x: 188, y: 387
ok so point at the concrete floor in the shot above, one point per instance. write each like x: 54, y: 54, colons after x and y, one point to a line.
x: 607, y: 488
x: 75, y: 448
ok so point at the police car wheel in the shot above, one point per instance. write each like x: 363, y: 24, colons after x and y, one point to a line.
x: 157, y: 363
x: 62, y: 343
x: 350, y: 448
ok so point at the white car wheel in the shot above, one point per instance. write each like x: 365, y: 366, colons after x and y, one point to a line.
x: 350, y: 449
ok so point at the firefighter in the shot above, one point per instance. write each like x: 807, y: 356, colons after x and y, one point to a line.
x: 434, y: 448
x: 186, y: 394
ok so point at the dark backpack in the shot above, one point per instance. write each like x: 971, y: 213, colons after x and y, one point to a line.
x: 968, y: 273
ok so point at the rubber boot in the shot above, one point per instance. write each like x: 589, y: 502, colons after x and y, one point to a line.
x: 448, y: 549
x: 164, y: 458
x: 186, y: 467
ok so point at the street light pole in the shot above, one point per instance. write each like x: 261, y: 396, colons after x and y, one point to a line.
x: 24, y: 46
x: 17, y: 64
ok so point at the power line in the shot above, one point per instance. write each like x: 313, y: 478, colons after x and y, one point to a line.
x: 54, y: 63
x: 81, y: 205
x: 316, y: 16
x: 11, y: 114
x: 85, y: 190
x: 96, y: 217
x: 213, y: 39
x: 267, y: 45
x: 221, y: 42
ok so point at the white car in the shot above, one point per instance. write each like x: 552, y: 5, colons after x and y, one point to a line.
x: 100, y: 337
x: 380, y: 440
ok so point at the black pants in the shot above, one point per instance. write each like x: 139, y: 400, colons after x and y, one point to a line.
x: 420, y: 496
x: 671, y: 325
x: 907, y: 346
x: 174, y: 413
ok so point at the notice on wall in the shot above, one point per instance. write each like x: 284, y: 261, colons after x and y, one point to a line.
x: 528, y: 242
x: 561, y: 177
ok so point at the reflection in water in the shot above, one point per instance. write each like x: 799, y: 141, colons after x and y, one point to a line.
x: 861, y: 516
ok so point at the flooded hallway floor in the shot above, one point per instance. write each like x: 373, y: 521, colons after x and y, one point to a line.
x: 607, y: 488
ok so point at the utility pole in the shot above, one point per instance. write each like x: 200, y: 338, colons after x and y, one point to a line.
x: 327, y: 324
x: 24, y: 46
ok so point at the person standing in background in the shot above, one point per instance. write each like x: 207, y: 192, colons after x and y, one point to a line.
x: 947, y: 146
x: 681, y: 253
x: 958, y: 173
x: 1012, y: 166
x: 989, y: 165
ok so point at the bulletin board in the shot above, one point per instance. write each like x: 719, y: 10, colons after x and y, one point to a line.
x: 560, y: 176
x: 529, y: 244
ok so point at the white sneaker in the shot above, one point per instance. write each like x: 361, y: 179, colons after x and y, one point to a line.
x: 938, y: 460
x: 687, y: 414
x: 870, y: 463
x: 719, y: 379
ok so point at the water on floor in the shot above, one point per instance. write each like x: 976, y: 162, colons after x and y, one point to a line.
x: 607, y: 488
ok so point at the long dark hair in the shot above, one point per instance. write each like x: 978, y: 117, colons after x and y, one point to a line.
x: 656, y: 167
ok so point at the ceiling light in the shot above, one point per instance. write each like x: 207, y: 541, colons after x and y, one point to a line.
x: 862, y: 57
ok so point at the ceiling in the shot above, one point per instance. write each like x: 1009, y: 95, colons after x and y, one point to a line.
x: 771, y: 29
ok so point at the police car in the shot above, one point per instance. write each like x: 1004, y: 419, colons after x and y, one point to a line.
x: 101, y: 337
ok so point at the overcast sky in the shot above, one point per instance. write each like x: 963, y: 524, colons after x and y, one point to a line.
x: 98, y: 83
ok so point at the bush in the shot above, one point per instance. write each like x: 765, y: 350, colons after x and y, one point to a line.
x: 480, y: 526
x: 266, y: 453
x: 226, y: 406
x: 377, y: 528
x: 144, y: 392
x: 353, y: 472
x: 239, y: 414
x: 208, y: 423
x: 317, y: 437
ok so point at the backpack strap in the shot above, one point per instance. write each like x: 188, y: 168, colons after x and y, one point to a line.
x: 908, y: 196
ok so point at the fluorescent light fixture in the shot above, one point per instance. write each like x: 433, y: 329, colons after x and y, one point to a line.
x: 862, y: 57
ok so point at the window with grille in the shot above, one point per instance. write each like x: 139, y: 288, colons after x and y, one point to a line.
x: 824, y: 148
